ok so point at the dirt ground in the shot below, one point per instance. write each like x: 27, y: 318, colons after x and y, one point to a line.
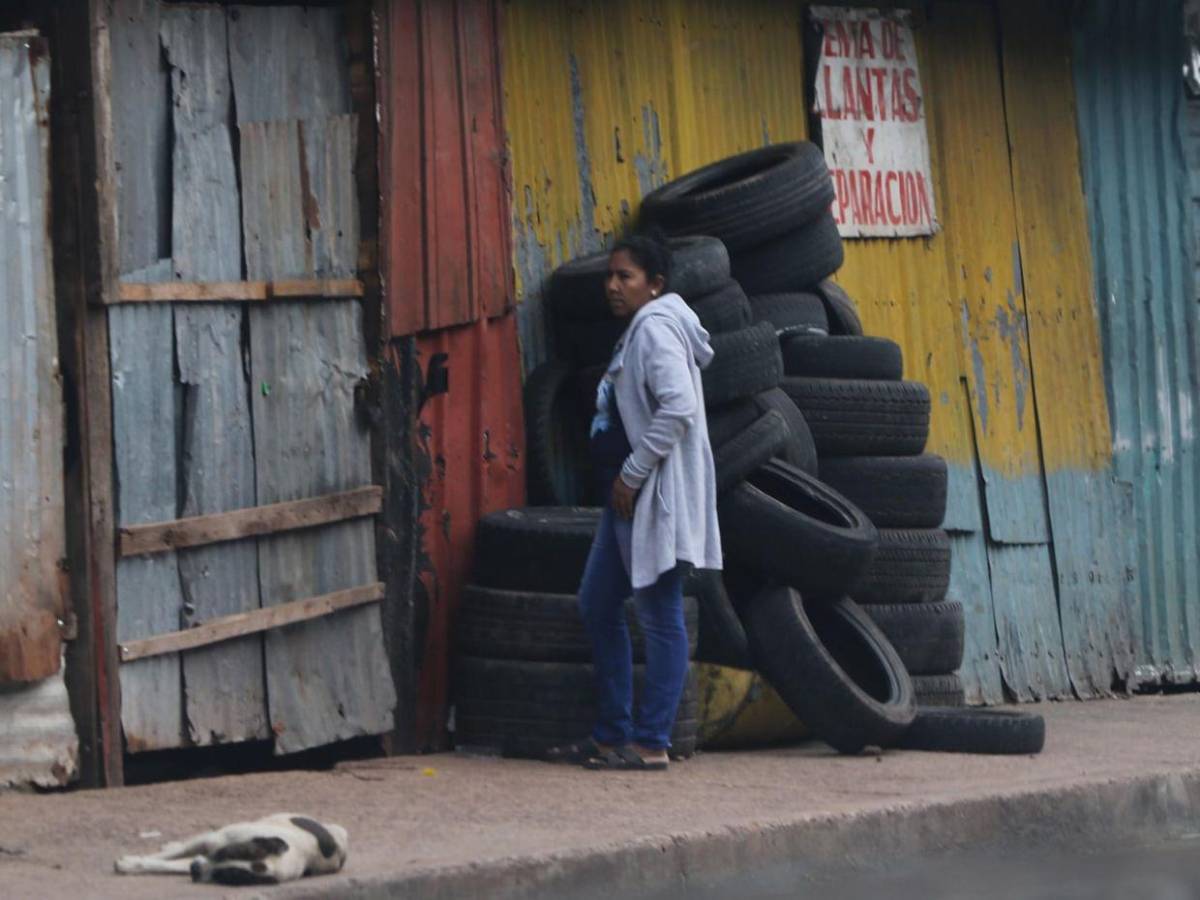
x: 410, y: 814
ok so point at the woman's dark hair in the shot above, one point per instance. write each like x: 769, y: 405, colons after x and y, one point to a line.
x: 650, y: 250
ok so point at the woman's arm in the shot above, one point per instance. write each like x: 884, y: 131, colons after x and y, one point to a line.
x: 669, y: 379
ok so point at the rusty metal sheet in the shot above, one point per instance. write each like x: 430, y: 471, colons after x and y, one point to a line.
x: 224, y: 685
x: 38, y: 744
x: 32, y: 536
x: 471, y: 445
x: 1133, y: 144
x: 446, y: 256
x: 970, y: 585
x: 326, y: 680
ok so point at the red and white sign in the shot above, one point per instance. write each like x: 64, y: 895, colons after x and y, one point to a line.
x: 868, y: 96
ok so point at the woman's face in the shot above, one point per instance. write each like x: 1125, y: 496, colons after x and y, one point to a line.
x: 627, y: 286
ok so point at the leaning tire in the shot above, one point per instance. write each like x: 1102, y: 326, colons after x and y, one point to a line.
x: 792, y: 261
x: 724, y: 309
x: 521, y: 708
x: 744, y: 363
x: 722, y: 639
x: 938, y: 690
x: 790, y: 313
x: 851, y: 417
x: 975, y: 731
x: 576, y: 290
x: 799, y: 449
x: 541, y: 627
x: 911, y: 565
x: 536, y: 548
x: 832, y: 666
x: 748, y: 198
x: 894, y: 491
x: 587, y: 344
x: 814, y: 356
x: 555, y: 437
x: 843, y: 314
x: 737, y: 457
x: 927, y: 636
x: 783, y: 524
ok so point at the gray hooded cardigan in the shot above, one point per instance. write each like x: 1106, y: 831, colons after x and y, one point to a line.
x: 656, y: 371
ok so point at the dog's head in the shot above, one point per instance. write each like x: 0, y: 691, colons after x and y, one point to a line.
x: 333, y: 842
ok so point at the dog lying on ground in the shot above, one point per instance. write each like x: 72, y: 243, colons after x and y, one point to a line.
x: 278, y: 848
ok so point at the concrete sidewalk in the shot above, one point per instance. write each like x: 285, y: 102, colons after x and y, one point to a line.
x: 456, y: 826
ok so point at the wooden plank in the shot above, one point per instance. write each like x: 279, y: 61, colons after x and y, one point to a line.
x: 242, y: 523
x: 239, y: 291
x: 149, y: 596
x: 240, y: 625
x: 140, y: 134
x: 307, y: 439
x: 224, y: 686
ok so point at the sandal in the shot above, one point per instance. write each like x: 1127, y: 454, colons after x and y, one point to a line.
x: 577, y: 753
x: 625, y: 759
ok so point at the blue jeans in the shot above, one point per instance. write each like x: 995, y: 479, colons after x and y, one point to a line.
x: 659, y: 607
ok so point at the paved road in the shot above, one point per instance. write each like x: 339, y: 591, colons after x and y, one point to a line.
x: 1167, y: 871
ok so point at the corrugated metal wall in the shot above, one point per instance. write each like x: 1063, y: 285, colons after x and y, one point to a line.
x: 446, y: 261
x: 995, y: 313
x: 1127, y: 57
x: 446, y: 256
x: 32, y: 536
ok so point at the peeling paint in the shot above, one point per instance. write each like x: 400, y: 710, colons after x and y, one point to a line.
x: 978, y: 369
x: 1011, y: 326
x: 651, y: 168
x: 589, y: 240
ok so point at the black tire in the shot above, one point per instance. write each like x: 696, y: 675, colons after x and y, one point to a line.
x: 737, y: 457
x: 725, y: 309
x: 535, y: 549
x: 790, y: 313
x: 587, y: 344
x: 927, y: 636
x: 521, y: 708
x: 784, y: 525
x: 556, y: 437
x: 833, y: 668
x: 894, y: 491
x: 792, y: 261
x: 938, y: 690
x: 843, y: 314
x: 843, y: 356
x: 745, y: 199
x: 799, y: 449
x: 745, y: 363
x: 855, y: 417
x: 975, y: 731
x: 576, y: 290
x: 726, y: 422
x: 911, y: 565
x: 722, y: 639
x: 541, y: 627
x: 699, y: 266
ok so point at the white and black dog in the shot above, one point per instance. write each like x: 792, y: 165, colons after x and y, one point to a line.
x: 278, y: 848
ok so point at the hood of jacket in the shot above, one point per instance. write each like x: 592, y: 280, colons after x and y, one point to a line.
x: 675, y: 310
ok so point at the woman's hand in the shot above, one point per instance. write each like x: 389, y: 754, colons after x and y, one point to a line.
x: 623, y: 498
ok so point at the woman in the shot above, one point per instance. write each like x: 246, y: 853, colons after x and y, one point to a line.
x: 650, y: 447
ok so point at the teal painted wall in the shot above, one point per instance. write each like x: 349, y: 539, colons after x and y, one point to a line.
x: 1133, y: 141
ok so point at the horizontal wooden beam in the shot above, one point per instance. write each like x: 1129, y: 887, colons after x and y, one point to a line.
x: 196, y: 531
x: 238, y: 625
x: 237, y: 291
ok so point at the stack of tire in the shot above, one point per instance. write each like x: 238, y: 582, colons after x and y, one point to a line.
x: 522, y: 677
x: 799, y: 549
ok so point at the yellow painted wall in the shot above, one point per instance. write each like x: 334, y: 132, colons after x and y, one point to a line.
x: 606, y: 99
